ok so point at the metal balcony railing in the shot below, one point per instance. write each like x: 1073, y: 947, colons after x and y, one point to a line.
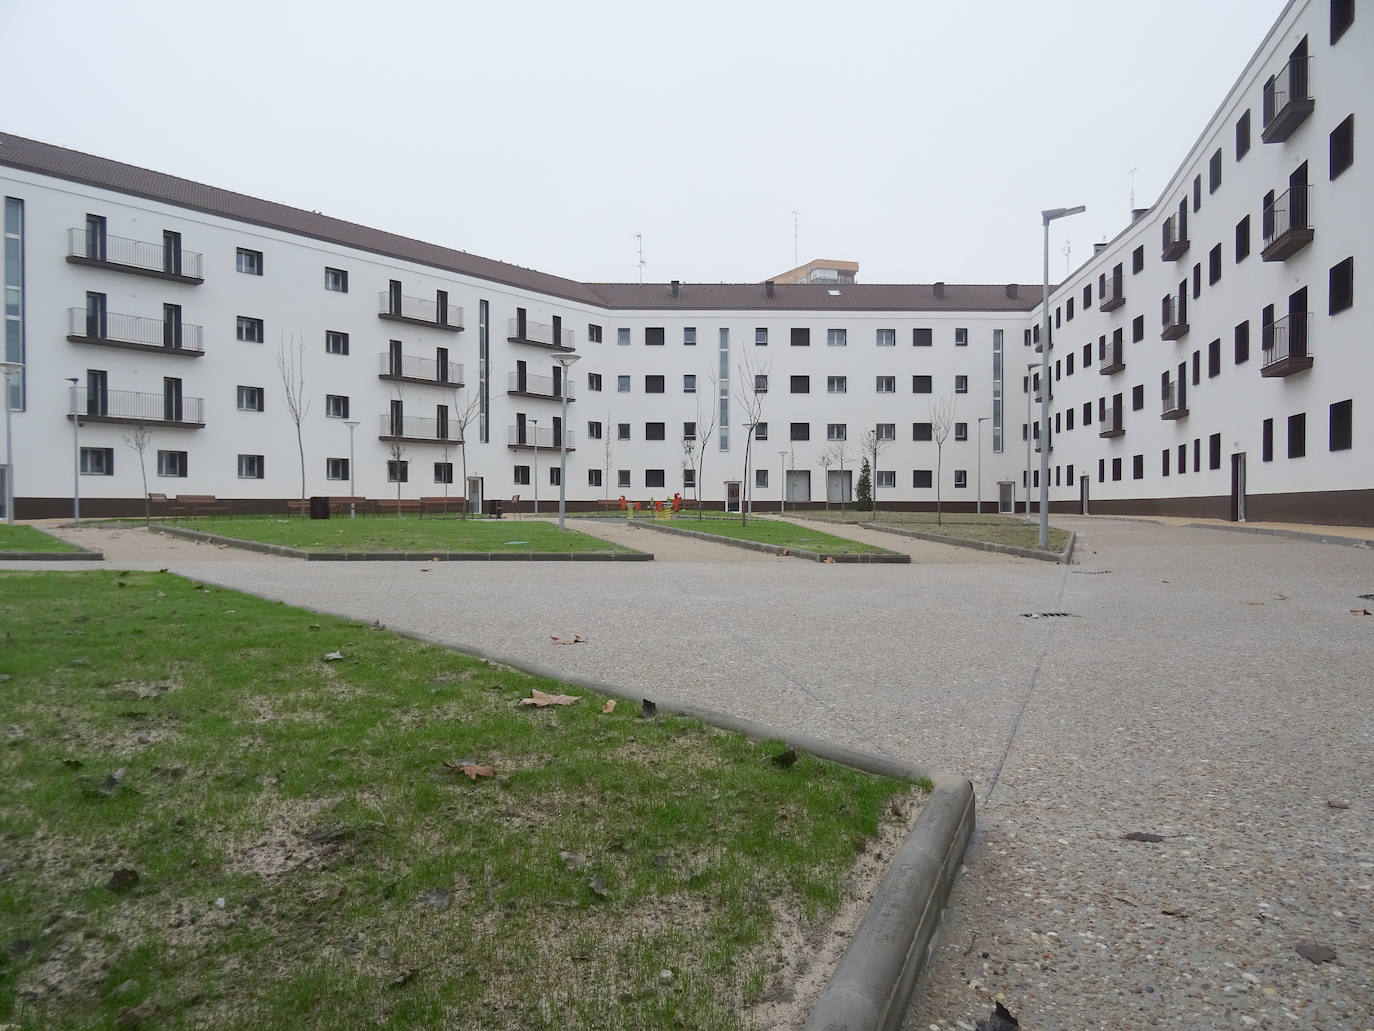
x: 1172, y: 406
x: 428, y: 369
x: 112, y: 328
x: 417, y: 309
x: 1286, y: 224
x: 1285, y: 345
x: 544, y: 386
x: 131, y: 406
x: 118, y: 251
x: 1285, y: 100
x: 1175, y: 236
x: 538, y: 437
x: 539, y: 333
x: 1113, y: 294
x: 1174, y: 318
x: 1110, y: 425
x: 416, y: 428
x: 1110, y: 357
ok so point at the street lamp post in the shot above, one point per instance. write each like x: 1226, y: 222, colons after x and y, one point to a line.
x: 8, y: 368
x: 1046, y: 217
x: 76, y: 453
x: 1030, y: 393
x: 535, y: 481
x: 565, y: 361
x: 981, y: 419
x: 782, y: 494
x: 352, y: 491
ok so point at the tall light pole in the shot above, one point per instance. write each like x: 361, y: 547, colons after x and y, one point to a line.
x: 782, y: 495
x: 1047, y: 216
x: 76, y: 453
x: 352, y: 491
x: 535, y: 481
x: 565, y: 361
x: 1030, y: 393
x: 981, y: 419
x: 9, y: 367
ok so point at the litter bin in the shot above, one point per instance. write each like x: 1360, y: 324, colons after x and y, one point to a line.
x: 496, y: 509
x: 319, y: 507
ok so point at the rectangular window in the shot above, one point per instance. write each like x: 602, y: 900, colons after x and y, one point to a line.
x: 1137, y: 397
x: 251, y: 467
x: 1137, y: 467
x: 336, y: 279
x: 1164, y: 461
x: 653, y: 336
x: 622, y: 337
x: 921, y: 337
x: 1101, y: 470
x: 1116, y: 469
x: 335, y: 406
x: 1197, y: 194
x: 171, y: 463
x: 622, y: 477
x: 960, y: 479
x: 1197, y: 368
x: 97, y: 461
x: 961, y: 430
x: 593, y: 333
x: 1197, y: 281
x: 761, y: 431
x: 689, y: 479
x: 520, y: 474
x: 654, y: 431
x: 920, y: 384
x: 1341, y: 286
x: 336, y: 468
x: 801, y: 336
x: 1267, y: 441
x: 1243, y: 343
x: 689, y: 336
x: 961, y: 384
x: 761, y: 383
x: 653, y: 384
x: 250, y: 330
x: 885, y: 478
x: 887, y: 384
x: 593, y: 477
x: 594, y: 430
x: 887, y: 338
x: 1214, y: 265
x: 801, y: 384
x: 922, y: 431
x: 1243, y: 135
x: 836, y: 431
x: 622, y: 431
x: 248, y: 262
x: 622, y: 384
x: 250, y: 399
x: 886, y: 431
x: 594, y: 381
x: 921, y: 478
x: 1342, y: 146
x: 1342, y: 17
x: 761, y: 478
x: 1214, y: 451
x: 760, y: 336
x: 653, y: 478
x: 1138, y: 259
x: 836, y: 384
x: 1214, y: 358
x: 1297, y: 435
x: 1242, y: 239
x: 836, y: 338
x: 689, y: 431
x: 1342, y: 425
x: 1214, y: 172
x: 1182, y: 459
x: 555, y: 476
x: 689, y: 383
x: 960, y: 337
x: 801, y: 431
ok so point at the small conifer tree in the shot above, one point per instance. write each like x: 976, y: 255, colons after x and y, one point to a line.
x: 863, y: 493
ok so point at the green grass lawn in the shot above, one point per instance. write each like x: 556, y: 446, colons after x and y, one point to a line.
x: 401, y: 533
x: 773, y: 531
x: 993, y: 529
x: 26, y: 538
x: 205, y: 823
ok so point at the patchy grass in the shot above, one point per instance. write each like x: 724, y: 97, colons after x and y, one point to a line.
x: 22, y: 538
x: 402, y: 533
x: 303, y: 858
x: 992, y: 529
x: 774, y: 531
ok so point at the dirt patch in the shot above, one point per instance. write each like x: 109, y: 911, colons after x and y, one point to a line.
x: 295, y: 838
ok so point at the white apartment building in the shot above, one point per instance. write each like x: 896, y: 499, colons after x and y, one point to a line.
x: 1204, y: 362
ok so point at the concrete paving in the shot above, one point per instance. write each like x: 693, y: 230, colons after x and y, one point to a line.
x: 1212, y: 688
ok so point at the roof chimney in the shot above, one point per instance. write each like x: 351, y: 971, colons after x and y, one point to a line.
x: 1098, y: 248
x: 1138, y: 213
x: 677, y: 288
x: 940, y: 289
x: 1011, y: 291
x: 768, y: 288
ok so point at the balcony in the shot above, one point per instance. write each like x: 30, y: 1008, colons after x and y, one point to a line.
x: 1284, y: 345
x: 1110, y: 424
x: 410, y: 429
x: 128, y: 407
x: 539, y: 334
x: 1113, y: 294
x: 418, y: 312
x: 1175, y: 319
x: 405, y: 368
x: 133, y: 333
x: 1287, y: 229
x: 1173, y: 406
x: 538, y: 438
x: 543, y: 387
x: 1286, y: 101
x: 1111, y: 358
x: 1175, y: 237
x: 159, y: 260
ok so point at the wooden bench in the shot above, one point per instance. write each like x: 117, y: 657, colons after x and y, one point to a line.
x: 442, y: 506
x: 197, y: 505
x: 405, y: 506
x: 612, y: 504
x: 339, y: 506
x: 160, y: 505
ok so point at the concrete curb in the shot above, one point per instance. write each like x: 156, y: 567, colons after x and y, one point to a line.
x: 1061, y: 557
x: 404, y: 556
x: 886, y: 557
x: 1320, y: 538
x: 873, y: 984
x: 84, y: 555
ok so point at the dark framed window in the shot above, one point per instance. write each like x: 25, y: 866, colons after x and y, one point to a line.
x: 800, y: 431
x: 1214, y: 265
x: 399, y: 472
x: 1137, y: 397
x: 921, y: 478
x: 336, y: 280
x: 1214, y: 451
x: 653, y: 384
x: 921, y: 337
x: 1137, y: 329
x: 1164, y: 462
x: 1342, y: 425
x: 801, y: 336
x: 653, y: 336
x: 801, y: 384
x: 1137, y: 467
x: 1243, y: 134
x: 1116, y: 469
x: 921, y: 431
x: 1343, y: 146
x: 1267, y: 441
x: 1297, y: 435
x: 1138, y: 259
x: 1243, y: 343
x: 1214, y: 172
x: 1197, y: 194
x: 1242, y: 239
x: 1342, y: 285
x: 654, y: 431
x: 1214, y: 358
x: 920, y: 384
x: 653, y: 478
x: 1342, y: 16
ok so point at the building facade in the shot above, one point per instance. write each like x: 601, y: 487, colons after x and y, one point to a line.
x: 1208, y: 361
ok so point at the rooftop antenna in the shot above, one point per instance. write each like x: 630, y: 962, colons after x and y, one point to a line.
x: 1067, y: 247
x: 639, y: 237
x: 796, y: 256
x: 1132, y: 173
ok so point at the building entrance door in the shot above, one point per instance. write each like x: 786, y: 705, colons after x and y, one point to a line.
x: 798, y: 486
x: 474, y: 495
x: 839, y: 486
x: 1006, y: 499
x: 1238, y: 487
x: 1083, y: 494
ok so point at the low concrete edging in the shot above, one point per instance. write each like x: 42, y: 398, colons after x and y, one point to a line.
x: 876, y: 977
x: 404, y: 556
x: 84, y: 555
x: 883, y: 557
x: 1320, y: 538
x: 1061, y: 557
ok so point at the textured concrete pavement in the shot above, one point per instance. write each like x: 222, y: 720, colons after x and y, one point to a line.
x: 1212, y: 688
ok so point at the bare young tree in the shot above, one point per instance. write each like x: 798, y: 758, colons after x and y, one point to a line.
x: 694, y: 449
x: 138, y: 438
x: 397, y: 448
x: 837, y: 455
x: 750, y: 398
x: 465, y: 410
x: 291, y: 365
x: 606, y: 454
x: 941, y: 423
x: 873, y: 446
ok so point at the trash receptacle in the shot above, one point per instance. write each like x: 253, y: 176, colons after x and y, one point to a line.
x: 319, y: 507
x: 496, y: 509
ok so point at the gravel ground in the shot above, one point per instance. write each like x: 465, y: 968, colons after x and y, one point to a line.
x: 1212, y: 688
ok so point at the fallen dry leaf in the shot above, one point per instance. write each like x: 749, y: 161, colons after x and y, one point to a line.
x: 784, y: 553
x: 1254, y: 603
x: 471, y: 769
x: 574, y: 639
x: 609, y: 706
x: 540, y: 699
x: 829, y: 560
x: 1359, y: 612
x: 423, y: 569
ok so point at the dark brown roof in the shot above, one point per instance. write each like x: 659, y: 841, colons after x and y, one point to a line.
x: 75, y: 166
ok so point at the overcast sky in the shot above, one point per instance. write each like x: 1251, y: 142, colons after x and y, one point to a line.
x: 920, y: 139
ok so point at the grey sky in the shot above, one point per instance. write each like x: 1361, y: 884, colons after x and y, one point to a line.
x: 920, y: 139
